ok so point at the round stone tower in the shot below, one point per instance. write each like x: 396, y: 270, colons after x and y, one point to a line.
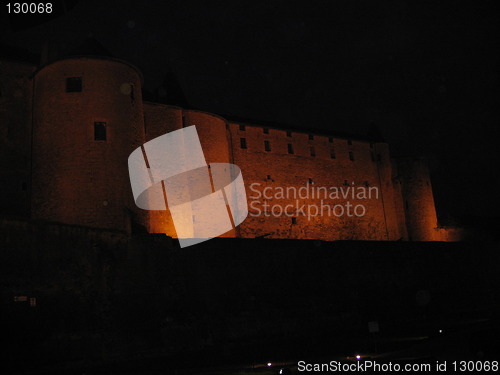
x: 87, y: 119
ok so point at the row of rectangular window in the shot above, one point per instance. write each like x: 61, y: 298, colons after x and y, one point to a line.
x: 267, y: 147
x: 312, y: 150
x: 289, y: 134
x: 310, y: 136
x: 310, y: 181
x: 101, y: 135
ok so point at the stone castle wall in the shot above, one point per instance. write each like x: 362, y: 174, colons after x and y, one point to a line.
x: 79, y: 180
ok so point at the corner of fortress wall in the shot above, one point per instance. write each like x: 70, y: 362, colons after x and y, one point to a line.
x: 450, y: 234
x: 399, y: 202
x: 390, y: 193
x: 418, y: 200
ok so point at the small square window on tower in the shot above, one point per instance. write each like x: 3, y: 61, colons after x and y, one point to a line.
x: 294, y: 220
x: 312, y: 151
x: 242, y: 127
x: 267, y: 146
x: 74, y: 84
x: 288, y: 133
x: 311, y: 137
x: 243, y: 142
x: 351, y: 156
x: 266, y: 130
x: 99, y: 131
x: 290, y: 148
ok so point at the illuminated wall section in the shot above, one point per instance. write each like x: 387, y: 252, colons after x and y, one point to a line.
x: 274, y: 158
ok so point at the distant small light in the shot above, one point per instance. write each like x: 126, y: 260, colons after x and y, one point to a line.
x: 269, y: 364
x: 358, y: 357
x: 281, y: 371
x: 440, y: 331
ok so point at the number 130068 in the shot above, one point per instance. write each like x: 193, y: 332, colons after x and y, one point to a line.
x: 29, y: 8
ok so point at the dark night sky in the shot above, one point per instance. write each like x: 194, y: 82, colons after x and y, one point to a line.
x: 425, y: 72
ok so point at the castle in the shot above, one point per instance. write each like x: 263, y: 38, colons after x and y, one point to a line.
x: 68, y: 127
